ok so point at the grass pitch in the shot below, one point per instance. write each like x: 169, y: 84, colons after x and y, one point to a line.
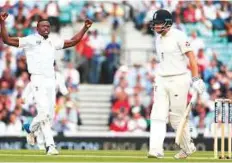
x: 99, y: 156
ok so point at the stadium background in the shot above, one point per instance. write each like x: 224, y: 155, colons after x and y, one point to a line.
x: 109, y: 75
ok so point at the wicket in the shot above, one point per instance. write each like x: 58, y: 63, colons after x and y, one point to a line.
x: 220, y: 106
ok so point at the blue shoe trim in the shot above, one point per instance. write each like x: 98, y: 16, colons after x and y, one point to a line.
x: 26, y: 127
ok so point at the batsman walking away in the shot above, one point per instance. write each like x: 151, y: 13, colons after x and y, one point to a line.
x: 40, y: 50
x: 172, y: 84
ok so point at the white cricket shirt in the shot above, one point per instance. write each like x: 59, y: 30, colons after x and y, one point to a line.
x: 40, y: 53
x: 171, y: 50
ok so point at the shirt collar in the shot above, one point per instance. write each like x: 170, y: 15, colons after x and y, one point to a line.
x: 41, y: 37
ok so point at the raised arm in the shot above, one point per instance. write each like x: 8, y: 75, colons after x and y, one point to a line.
x: 77, y: 38
x: 13, y: 41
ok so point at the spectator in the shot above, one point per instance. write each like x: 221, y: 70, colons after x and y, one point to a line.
x: 152, y: 66
x: 100, y: 13
x: 218, y: 23
x: 209, y: 10
x: 35, y: 15
x: 60, y: 83
x: 21, y: 66
x: 120, y: 121
x: 14, y: 128
x: 210, y: 70
x: 140, y: 85
x: 68, y: 118
x: 225, y: 9
x: 116, y: 13
x: 20, y: 5
x: 86, y: 55
x: 150, y: 79
x: 6, y: 101
x: 203, y: 62
x: 120, y: 99
x: 72, y: 76
x: 152, y: 8
x: 20, y: 20
x: 189, y: 14
x: 140, y: 8
x: 199, y: 13
x: 87, y: 12
x: 9, y: 61
x: 196, y: 42
x: 199, y: 114
x: 228, y: 25
x: 112, y: 59
x: 18, y: 110
x: 178, y: 12
x: 7, y: 81
x: 52, y: 10
x: 24, y: 77
x: 122, y: 72
x: 137, y: 123
x: 97, y: 44
x: 121, y: 102
x: 179, y: 25
x: 204, y: 27
x: 122, y: 87
x: 2, y: 124
x: 136, y: 101
x: 7, y: 6
x: 170, y: 5
x: 137, y: 75
x: 17, y: 93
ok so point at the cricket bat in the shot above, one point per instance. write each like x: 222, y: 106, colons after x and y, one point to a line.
x: 185, y: 118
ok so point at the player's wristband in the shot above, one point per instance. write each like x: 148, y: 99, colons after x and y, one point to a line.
x: 195, y: 79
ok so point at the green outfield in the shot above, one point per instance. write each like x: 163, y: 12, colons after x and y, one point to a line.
x: 99, y: 156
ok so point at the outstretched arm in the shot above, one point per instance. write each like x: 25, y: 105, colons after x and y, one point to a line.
x: 13, y: 41
x: 77, y: 38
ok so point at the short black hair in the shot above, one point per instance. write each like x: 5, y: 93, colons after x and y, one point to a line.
x: 42, y: 20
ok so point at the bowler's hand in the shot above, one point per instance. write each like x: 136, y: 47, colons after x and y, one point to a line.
x: 3, y: 16
x: 88, y: 23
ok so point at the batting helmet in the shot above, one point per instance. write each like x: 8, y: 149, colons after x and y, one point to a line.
x: 162, y: 17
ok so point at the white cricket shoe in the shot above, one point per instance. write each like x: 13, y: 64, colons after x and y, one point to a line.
x: 155, y: 155
x: 31, y: 138
x: 183, y: 154
x: 52, y: 150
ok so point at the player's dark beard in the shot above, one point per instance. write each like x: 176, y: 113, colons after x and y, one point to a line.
x: 160, y: 32
x: 45, y: 37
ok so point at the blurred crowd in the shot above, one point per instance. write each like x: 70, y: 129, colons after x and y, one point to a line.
x: 99, y: 59
x: 206, y: 15
x: 132, y: 98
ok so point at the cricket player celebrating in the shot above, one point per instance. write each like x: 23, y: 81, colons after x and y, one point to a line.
x: 172, y: 84
x: 40, y: 52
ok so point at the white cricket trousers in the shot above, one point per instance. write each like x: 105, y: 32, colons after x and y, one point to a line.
x: 170, y: 95
x: 43, y: 89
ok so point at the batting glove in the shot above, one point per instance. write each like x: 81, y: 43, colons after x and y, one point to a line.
x: 198, y: 85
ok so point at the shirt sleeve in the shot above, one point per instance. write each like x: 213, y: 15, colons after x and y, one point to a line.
x: 184, y: 43
x: 24, y: 41
x: 59, y: 44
